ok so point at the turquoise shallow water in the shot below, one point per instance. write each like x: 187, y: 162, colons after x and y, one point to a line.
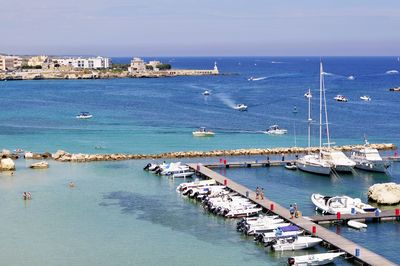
x: 120, y: 215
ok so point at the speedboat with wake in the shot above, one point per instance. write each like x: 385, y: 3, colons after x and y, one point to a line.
x: 275, y: 130
x: 342, y: 204
x: 203, y: 132
x: 241, y: 107
x: 314, y: 259
x: 206, y: 93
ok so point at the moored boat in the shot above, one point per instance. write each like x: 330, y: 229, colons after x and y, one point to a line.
x: 369, y: 159
x: 356, y: 225
x: 294, y: 243
x: 343, y: 204
x: 291, y: 166
x: 314, y: 259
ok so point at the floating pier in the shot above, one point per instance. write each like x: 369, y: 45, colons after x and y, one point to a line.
x: 355, y: 251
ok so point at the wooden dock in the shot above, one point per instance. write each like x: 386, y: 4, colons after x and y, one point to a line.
x: 365, y: 256
x: 257, y: 163
x: 380, y: 216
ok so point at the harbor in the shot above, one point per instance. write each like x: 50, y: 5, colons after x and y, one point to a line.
x: 354, y: 251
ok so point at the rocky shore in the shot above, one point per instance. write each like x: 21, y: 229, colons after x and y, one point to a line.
x: 63, y: 156
x: 385, y: 193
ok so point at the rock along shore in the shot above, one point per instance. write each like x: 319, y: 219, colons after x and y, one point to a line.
x: 63, y: 156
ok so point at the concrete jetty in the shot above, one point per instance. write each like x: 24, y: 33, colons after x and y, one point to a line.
x: 64, y: 156
x: 354, y: 251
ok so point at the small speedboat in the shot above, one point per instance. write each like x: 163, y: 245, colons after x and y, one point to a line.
x: 241, y: 107
x: 275, y: 130
x: 365, y: 98
x: 340, y: 98
x: 308, y: 95
x: 294, y: 243
x: 314, y: 259
x: 356, y: 225
x: 206, y: 93
x: 291, y: 166
x: 202, y: 132
x: 350, y: 77
x: 84, y: 115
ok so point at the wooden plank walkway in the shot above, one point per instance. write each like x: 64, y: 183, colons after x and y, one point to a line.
x: 383, y: 215
x: 260, y: 163
x: 366, y: 257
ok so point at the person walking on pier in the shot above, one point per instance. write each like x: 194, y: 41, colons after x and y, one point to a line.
x: 262, y: 193
x: 296, y: 214
x: 257, y: 192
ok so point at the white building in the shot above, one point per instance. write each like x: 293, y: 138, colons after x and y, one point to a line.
x: 88, y: 63
x: 137, y: 65
x: 10, y: 62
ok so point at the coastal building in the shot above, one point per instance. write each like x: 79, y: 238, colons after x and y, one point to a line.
x: 87, y: 63
x: 137, y: 65
x: 37, y: 60
x: 10, y: 62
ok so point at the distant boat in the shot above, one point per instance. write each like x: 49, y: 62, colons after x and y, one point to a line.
x: 395, y: 89
x: 350, y: 78
x: 206, y: 93
x: 392, y: 72
x: 314, y: 259
x: 290, y: 166
x: 275, y: 130
x: 241, y: 107
x: 202, y: 132
x: 308, y: 94
x: 365, y: 98
x: 340, y: 98
x: 84, y: 115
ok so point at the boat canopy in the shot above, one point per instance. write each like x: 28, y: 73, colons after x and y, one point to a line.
x: 289, y: 228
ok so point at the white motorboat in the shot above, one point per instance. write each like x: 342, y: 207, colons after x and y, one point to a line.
x: 308, y: 94
x: 206, y: 93
x: 350, y: 77
x: 315, y: 163
x: 203, y: 132
x: 356, y: 225
x: 241, y: 107
x: 182, y: 173
x: 365, y: 98
x: 269, y: 227
x: 340, y: 98
x: 295, y: 243
x: 291, y: 166
x: 275, y: 130
x: 84, y: 115
x: 342, y: 204
x: 284, y: 231
x: 369, y: 159
x: 338, y: 160
x: 314, y: 259
x: 243, y: 212
x: 196, y: 183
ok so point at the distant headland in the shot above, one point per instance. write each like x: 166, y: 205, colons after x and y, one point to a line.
x: 13, y: 67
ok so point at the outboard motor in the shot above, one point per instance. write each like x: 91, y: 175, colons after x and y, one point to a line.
x: 259, y: 238
x: 147, y: 167
x: 291, y: 261
x: 270, y: 243
x: 187, y: 192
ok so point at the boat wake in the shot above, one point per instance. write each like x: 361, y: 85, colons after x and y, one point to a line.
x: 392, y: 72
x: 225, y: 99
x: 256, y: 79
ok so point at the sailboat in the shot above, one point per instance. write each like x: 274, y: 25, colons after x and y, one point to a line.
x: 315, y: 163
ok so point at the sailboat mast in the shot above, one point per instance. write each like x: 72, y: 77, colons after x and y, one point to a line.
x: 326, y: 114
x: 309, y: 118
x: 321, y: 72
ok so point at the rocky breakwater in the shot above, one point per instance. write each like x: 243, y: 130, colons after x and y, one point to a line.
x: 64, y: 156
x: 385, y: 193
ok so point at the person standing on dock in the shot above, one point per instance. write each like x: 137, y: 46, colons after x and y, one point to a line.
x: 283, y: 157
x: 291, y: 211
x: 257, y: 192
x: 262, y: 193
x: 296, y: 214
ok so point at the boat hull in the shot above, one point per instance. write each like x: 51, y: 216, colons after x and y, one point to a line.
x: 314, y: 169
x: 297, y: 245
x: 380, y: 167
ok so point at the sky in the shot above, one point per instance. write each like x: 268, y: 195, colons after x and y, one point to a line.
x: 200, y: 27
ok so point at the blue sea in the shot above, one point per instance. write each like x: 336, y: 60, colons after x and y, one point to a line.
x: 120, y: 215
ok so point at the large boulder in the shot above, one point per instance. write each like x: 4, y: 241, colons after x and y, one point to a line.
x: 58, y: 154
x: 7, y: 164
x: 385, y: 193
x: 28, y: 155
